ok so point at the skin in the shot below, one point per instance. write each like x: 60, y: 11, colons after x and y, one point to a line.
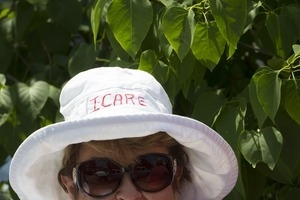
x: 126, y: 191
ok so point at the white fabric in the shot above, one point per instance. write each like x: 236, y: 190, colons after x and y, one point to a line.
x: 111, y: 103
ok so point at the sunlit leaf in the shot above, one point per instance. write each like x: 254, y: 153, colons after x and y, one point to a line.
x: 129, y: 28
x: 96, y: 17
x: 268, y: 87
x: 178, y: 27
x: 292, y: 99
x: 32, y: 98
x: 149, y: 62
x: 6, y: 104
x: 263, y: 146
x: 208, y: 45
x: 296, y: 49
x: 230, y: 16
x: 256, y: 106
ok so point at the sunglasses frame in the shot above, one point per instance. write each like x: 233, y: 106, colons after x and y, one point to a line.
x: 124, y: 170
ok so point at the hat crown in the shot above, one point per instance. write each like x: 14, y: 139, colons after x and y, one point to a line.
x: 109, y: 91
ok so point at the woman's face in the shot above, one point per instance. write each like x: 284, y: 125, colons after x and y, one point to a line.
x: 126, y: 190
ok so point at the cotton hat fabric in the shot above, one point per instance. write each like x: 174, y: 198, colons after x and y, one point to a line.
x: 111, y: 103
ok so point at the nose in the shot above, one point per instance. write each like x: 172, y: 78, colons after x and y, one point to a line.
x: 127, y: 190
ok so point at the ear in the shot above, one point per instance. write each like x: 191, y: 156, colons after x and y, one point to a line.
x: 69, y: 186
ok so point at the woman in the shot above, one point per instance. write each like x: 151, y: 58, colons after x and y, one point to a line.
x: 120, y: 140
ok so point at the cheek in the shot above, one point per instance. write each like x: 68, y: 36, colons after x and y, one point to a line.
x: 166, y: 194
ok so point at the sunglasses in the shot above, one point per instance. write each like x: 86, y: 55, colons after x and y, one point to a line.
x: 101, y: 177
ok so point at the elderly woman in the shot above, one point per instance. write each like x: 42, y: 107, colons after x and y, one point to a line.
x: 121, y: 141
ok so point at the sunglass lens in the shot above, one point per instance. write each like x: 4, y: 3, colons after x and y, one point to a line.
x: 153, y: 173
x: 100, y: 177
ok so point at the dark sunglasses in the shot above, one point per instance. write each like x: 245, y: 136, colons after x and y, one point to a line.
x: 101, y: 177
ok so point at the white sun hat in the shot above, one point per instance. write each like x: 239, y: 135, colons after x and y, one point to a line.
x: 110, y: 103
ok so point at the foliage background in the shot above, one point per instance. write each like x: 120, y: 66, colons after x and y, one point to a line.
x: 233, y: 64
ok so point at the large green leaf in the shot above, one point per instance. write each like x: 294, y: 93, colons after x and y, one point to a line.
x: 6, y: 54
x: 82, y: 58
x: 292, y: 99
x: 230, y: 123
x: 207, y: 107
x: 208, y: 45
x: 230, y: 16
x: 268, y: 87
x: 67, y: 13
x: 24, y: 15
x: 293, y: 11
x: 6, y: 104
x: 130, y: 21
x: 258, y: 111
x: 32, y: 98
x: 149, y: 62
x: 281, y: 29
x: 183, y: 69
x: 263, y: 146
x: 289, y: 192
x: 96, y: 17
x: 178, y: 27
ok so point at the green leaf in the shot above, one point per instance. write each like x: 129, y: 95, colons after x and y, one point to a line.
x: 293, y: 11
x: 282, y: 33
x: 208, y: 45
x: 268, y: 87
x: 6, y: 54
x: 130, y: 21
x: 256, y: 106
x: 178, y: 27
x: 277, y: 63
x: 67, y: 13
x: 183, y: 69
x: 38, y: 2
x: 296, y: 49
x: 291, y: 90
x: 163, y: 41
x: 230, y: 16
x: 24, y: 15
x: 32, y: 98
x: 96, y: 17
x: 230, y: 123
x: 6, y: 103
x: 289, y: 192
x: 82, y: 58
x: 118, y: 51
x: 264, y: 146
x: 207, y: 107
x: 2, y: 80
x: 149, y: 62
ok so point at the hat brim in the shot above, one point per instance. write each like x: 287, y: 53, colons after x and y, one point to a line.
x: 34, y: 168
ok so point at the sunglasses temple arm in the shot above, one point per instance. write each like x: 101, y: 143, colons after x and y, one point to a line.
x: 174, y: 167
x: 74, y: 176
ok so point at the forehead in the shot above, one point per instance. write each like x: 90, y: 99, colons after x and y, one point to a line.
x: 122, y: 156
